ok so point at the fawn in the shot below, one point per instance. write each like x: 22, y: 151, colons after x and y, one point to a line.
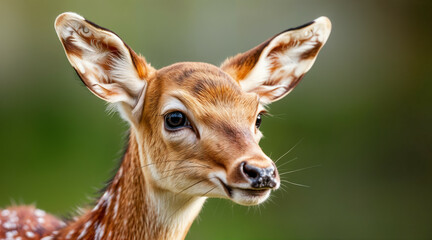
x: 194, y: 132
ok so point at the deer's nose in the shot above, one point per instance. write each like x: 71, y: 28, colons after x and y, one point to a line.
x: 258, y: 176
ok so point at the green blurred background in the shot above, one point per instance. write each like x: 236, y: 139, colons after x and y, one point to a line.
x: 363, y: 112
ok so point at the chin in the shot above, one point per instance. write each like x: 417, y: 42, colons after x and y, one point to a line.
x: 248, y: 197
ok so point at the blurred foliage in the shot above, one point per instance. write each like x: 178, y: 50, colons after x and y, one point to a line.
x: 363, y: 113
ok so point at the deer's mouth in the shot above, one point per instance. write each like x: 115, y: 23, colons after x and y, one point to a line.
x: 227, y: 189
x: 245, y: 196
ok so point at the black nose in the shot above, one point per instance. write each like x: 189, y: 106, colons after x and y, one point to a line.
x: 260, y: 177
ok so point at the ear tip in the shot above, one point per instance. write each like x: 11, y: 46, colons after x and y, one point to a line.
x: 65, y: 17
x: 324, y: 22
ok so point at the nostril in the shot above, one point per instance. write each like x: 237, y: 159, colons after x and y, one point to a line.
x: 272, y: 184
x: 250, y: 171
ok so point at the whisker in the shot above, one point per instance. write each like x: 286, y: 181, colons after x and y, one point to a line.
x: 293, y: 183
x: 282, y: 187
x: 178, y: 168
x: 201, y: 164
x: 270, y: 200
x: 181, y: 160
x: 285, y: 163
x: 208, y: 191
x: 149, y: 164
x: 182, y: 205
x: 289, y: 150
x: 200, y: 181
x: 301, y: 169
x: 172, y: 175
x: 189, y: 200
x: 192, y: 185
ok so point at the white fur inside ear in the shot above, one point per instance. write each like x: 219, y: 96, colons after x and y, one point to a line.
x: 104, y: 63
x: 123, y: 71
x: 111, y: 75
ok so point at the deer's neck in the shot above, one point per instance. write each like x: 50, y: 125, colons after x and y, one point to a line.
x: 131, y: 208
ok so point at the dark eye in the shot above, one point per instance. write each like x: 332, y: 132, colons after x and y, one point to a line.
x: 258, y: 121
x: 175, y: 120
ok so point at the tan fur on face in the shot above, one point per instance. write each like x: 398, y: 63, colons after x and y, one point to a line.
x: 222, y: 115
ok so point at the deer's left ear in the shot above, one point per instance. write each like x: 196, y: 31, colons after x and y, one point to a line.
x: 273, y: 68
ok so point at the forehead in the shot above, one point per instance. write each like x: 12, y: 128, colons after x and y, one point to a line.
x: 206, y: 88
x: 197, y: 77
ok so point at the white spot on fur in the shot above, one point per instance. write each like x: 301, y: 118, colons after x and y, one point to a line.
x: 119, y: 175
x: 84, y: 231
x: 47, y: 238
x: 11, y: 234
x: 70, y: 233
x: 104, y: 196
x: 13, y: 218
x: 5, y: 212
x: 110, y: 196
x: 100, y: 231
x: 9, y: 225
x: 117, y: 200
x: 41, y: 220
x: 96, y: 208
x: 30, y: 234
x: 39, y: 213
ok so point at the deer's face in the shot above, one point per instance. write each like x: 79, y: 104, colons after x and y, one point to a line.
x: 208, y: 134
x: 198, y: 124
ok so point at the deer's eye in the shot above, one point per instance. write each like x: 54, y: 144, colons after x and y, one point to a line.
x: 258, y: 120
x: 175, y: 121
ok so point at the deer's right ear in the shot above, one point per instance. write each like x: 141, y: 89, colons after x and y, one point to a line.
x: 106, y: 65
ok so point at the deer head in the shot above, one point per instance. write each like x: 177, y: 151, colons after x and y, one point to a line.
x: 196, y: 125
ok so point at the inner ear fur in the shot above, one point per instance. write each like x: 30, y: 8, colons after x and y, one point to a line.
x: 273, y: 68
x: 107, y: 66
